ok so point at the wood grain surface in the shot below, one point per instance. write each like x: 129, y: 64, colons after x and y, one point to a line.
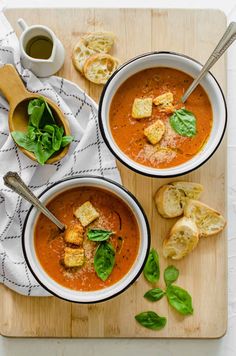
x: 204, y: 272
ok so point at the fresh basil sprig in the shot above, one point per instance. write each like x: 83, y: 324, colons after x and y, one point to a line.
x: 183, y: 122
x: 98, y: 234
x: 154, y: 294
x: 104, y: 260
x: 152, y: 269
x: 179, y: 299
x: 171, y: 274
x: 151, y: 320
x: 43, y: 137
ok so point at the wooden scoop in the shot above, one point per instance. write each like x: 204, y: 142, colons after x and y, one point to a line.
x: 18, y: 97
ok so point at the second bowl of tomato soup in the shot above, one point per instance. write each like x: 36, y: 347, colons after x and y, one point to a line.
x: 103, y: 248
x: 148, y: 128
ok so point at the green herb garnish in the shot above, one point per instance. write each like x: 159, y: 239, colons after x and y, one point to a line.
x: 98, y: 234
x: 171, y: 274
x: 184, y: 123
x: 152, y: 269
x: 179, y: 299
x: 104, y: 260
x: 151, y: 320
x: 43, y: 137
x: 154, y: 294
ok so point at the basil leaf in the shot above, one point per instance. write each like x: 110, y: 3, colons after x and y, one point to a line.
x: 46, y: 140
x: 184, y: 123
x: 35, y: 110
x: 152, y: 269
x: 179, y: 299
x: 49, y: 128
x: 104, y: 260
x: 171, y: 274
x: 151, y: 320
x: 154, y: 294
x: 98, y: 235
x: 48, y: 109
x: 57, y: 138
x: 22, y: 139
x: 66, y: 140
x: 42, y: 154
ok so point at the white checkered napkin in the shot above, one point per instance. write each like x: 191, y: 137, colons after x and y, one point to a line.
x: 87, y: 155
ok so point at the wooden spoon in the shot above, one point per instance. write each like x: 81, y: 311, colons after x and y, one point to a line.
x: 18, y: 97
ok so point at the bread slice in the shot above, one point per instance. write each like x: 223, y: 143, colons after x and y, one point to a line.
x: 208, y: 220
x: 80, y: 54
x: 183, y: 238
x: 101, y: 42
x: 99, y: 67
x: 168, y: 201
x: 171, y: 198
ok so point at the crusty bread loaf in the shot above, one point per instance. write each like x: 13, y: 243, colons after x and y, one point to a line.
x: 208, y: 220
x: 101, y: 42
x: 99, y: 67
x: 170, y: 198
x: 80, y: 54
x: 183, y: 238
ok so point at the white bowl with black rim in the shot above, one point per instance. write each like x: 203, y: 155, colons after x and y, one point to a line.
x: 50, y: 284
x: 176, y: 61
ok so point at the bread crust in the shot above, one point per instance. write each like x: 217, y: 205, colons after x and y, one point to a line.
x: 99, y: 67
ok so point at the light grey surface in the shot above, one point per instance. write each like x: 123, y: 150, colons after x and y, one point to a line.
x: 222, y: 347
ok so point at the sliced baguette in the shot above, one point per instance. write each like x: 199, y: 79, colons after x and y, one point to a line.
x: 80, y: 54
x: 183, y: 238
x: 208, y: 220
x: 99, y: 67
x: 101, y: 42
x: 168, y: 201
x: 171, y: 198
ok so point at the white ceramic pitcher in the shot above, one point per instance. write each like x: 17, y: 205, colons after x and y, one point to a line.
x: 41, y: 67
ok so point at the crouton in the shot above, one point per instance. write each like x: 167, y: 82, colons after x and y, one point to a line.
x: 86, y: 213
x: 155, y: 131
x: 165, y: 101
x: 74, y: 234
x: 142, y: 108
x: 74, y: 257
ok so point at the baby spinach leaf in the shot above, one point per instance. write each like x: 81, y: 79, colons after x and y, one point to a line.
x: 66, y: 140
x: 152, y: 269
x: 22, y: 139
x: 42, y: 154
x: 151, y: 320
x: 184, y: 123
x: 104, y: 260
x: 154, y: 294
x: 98, y: 235
x: 179, y: 299
x: 171, y: 274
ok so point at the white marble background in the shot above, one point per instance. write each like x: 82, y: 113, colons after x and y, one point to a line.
x: 222, y: 347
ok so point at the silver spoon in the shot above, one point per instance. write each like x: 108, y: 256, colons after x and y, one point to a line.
x: 13, y: 181
x: 227, y: 39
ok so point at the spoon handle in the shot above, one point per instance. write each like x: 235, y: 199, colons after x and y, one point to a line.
x: 13, y: 181
x: 226, y: 40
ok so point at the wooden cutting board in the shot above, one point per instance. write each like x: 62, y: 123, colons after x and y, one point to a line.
x: 204, y: 272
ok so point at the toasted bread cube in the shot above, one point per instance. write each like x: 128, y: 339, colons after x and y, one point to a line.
x: 164, y: 100
x: 86, y: 213
x: 74, y: 257
x: 74, y: 234
x: 155, y: 131
x: 142, y: 108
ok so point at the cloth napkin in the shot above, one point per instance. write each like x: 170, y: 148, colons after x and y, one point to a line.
x: 87, y: 155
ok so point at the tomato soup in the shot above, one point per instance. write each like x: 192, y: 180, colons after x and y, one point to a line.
x: 114, y: 215
x: 173, y: 149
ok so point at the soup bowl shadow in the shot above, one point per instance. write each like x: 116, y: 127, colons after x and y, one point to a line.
x: 86, y: 297
x: 187, y: 65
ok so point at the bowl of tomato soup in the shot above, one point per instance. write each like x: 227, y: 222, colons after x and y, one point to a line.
x: 103, y: 248
x: 148, y: 128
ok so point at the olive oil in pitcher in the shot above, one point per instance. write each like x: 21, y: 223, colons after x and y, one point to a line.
x: 39, y: 47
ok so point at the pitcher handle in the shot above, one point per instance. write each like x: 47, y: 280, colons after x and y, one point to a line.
x: 23, y: 25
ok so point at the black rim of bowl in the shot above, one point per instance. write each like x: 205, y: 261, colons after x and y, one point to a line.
x: 146, y: 226
x: 136, y: 170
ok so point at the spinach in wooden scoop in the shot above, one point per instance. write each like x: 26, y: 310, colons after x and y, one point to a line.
x: 43, y: 137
